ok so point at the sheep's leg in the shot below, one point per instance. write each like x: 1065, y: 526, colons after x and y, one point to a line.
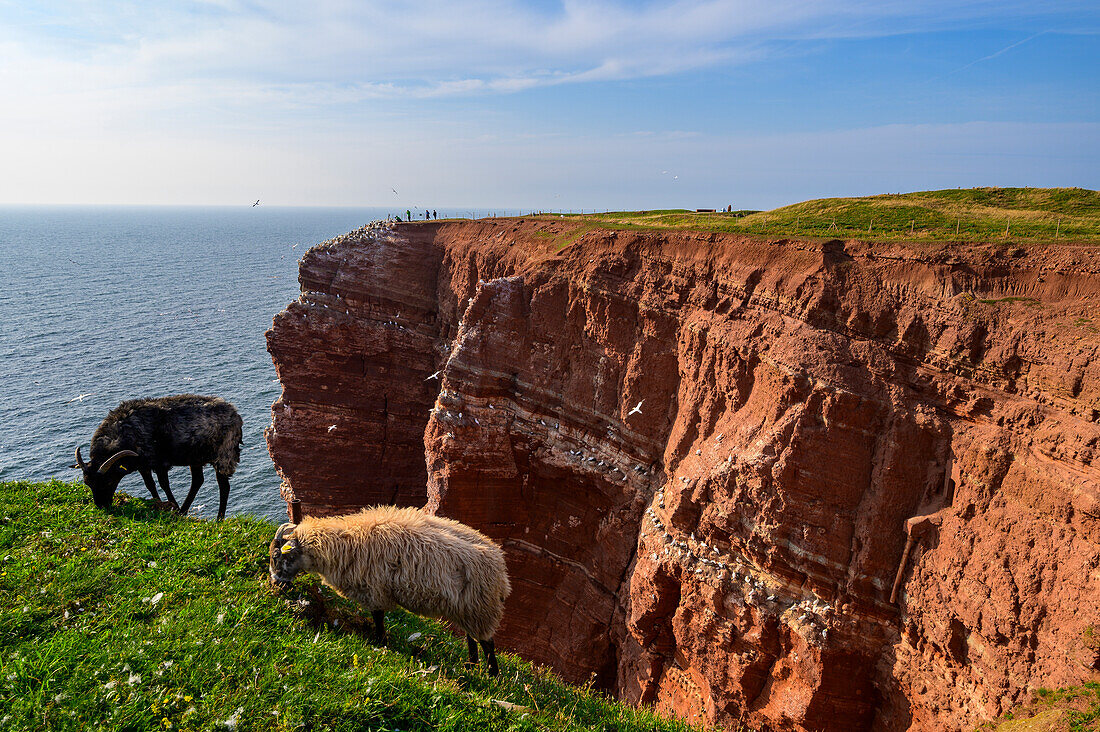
x: 471, y: 647
x: 162, y: 476
x: 147, y: 476
x: 379, y: 626
x: 491, y: 656
x: 196, y: 481
x: 223, y: 490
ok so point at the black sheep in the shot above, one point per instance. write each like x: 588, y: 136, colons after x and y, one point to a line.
x: 151, y: 435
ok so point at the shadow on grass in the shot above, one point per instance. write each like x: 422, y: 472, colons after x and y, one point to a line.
x: 143, y: 509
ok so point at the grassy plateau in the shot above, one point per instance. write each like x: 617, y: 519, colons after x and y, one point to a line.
x: 974, y: 214
x: 135, y: 619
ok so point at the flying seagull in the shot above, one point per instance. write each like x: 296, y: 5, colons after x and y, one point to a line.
x: 636, y: 410
x: 256, y: 204
x: 394, y: 190
x: 434, y: 376
x: 331, y: 427
x: 79, y: 398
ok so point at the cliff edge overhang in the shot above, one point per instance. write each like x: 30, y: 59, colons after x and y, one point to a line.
x: 799, y: 484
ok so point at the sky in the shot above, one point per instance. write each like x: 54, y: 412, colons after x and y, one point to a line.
x: 541, y: 104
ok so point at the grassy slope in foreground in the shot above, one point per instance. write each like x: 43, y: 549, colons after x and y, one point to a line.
x: 140, y: 620
x: 974, y: 214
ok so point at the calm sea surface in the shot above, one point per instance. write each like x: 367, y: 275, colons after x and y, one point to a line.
x: 103, y: 304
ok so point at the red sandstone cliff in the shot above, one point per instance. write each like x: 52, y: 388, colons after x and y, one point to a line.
x: 727, y: 550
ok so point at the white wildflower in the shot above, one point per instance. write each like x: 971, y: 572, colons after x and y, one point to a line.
x: 231, y: 723
x: 157, y: 598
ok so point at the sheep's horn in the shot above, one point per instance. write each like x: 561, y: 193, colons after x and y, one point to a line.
x: 110, y: 462
x: 80, y: 460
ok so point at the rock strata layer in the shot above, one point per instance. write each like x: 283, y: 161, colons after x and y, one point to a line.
x: 702, y: 453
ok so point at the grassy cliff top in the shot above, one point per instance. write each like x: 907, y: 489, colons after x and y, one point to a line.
x: 974, y: 214
x: 138, y: 620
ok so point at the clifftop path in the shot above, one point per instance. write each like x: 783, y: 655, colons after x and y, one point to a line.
x: 702, y: 451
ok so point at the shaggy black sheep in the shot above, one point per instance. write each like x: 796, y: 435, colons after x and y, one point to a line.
x: 151, y: 435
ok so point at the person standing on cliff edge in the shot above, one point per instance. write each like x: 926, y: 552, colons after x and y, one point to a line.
x: 408, y: 215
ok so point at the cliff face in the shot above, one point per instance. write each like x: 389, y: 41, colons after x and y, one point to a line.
x: 701, y: 455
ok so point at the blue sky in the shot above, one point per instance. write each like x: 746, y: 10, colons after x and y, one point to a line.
x: 542, y: 104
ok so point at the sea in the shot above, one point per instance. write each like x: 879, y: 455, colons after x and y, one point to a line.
x: 103, y: 304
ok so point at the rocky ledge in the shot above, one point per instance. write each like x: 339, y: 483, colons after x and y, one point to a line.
x: 799, y: 485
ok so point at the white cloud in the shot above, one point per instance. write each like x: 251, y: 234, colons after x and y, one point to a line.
x: 433, y: 47
x: 202, y: 102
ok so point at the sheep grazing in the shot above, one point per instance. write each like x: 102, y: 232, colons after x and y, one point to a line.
x: 151, y: 435
x: 388, y: 557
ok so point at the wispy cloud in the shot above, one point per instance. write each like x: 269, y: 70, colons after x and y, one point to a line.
x: 434, y: 47
x: 203, y: 100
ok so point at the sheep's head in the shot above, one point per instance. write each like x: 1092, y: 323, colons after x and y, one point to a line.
x: 287, y: 557
x: 103, y: 479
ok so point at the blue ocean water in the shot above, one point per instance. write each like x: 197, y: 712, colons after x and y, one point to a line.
x: 103, y: 304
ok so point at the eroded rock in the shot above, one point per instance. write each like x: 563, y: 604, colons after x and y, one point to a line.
x: 727, y: 549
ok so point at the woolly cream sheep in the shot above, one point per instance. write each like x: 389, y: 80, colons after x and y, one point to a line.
x: 387, y: 557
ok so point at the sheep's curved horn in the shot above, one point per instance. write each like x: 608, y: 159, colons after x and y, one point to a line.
x: 79, y: 460
x: 111, y: 461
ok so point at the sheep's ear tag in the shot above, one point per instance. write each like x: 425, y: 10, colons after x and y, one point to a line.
x: 287, y: 547
x: 122, y: 468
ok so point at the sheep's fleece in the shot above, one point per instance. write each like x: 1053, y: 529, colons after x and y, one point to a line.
x: 387, y: 557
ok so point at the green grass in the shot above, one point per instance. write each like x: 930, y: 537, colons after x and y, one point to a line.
x: 975, y: 214
x: 1072, y: 709
x: 137, y: 620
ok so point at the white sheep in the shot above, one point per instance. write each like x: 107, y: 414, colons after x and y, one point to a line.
x: 387, y: 557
